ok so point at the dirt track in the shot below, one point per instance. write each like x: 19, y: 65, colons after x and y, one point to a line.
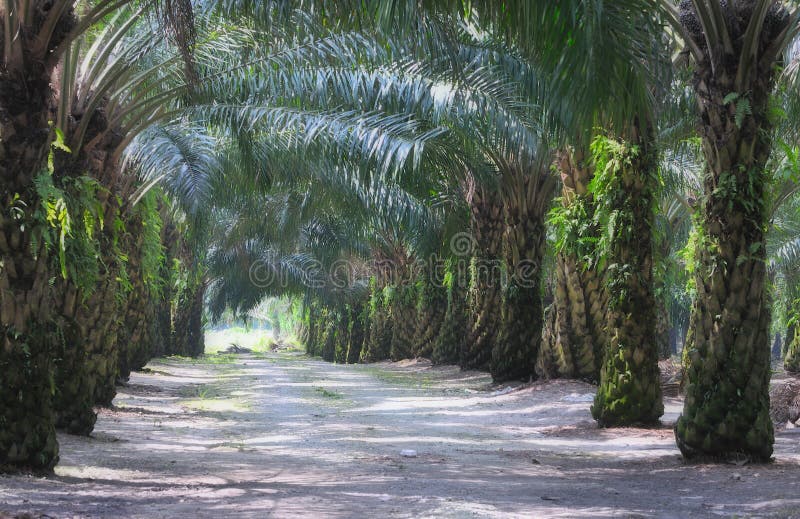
x: 285, y: 436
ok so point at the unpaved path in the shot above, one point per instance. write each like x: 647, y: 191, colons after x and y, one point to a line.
x: 285, y: 436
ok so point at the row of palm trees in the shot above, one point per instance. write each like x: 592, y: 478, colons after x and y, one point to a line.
x: 97, y: 274
x: 514, y: 101
x: 342, y: 152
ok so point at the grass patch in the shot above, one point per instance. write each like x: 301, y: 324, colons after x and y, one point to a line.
x: 328, y: 394
x: 217, y: 405
x: 212, y: 398
x: 199, y: 392
x: 218, y: 341
x: 411, y: 380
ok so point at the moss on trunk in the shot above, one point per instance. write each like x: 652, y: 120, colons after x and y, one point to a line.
x: 791, y: 361
x: 449, y: 340
x: 484, y: 300
x: 27, y: 421
x: 576, y: 336
x: 379, y: 334
x: 431, y: 307
x: 629, y: 392
x: 401, y: 302
x: 726, y: 410
x: 358, y: 326
x: 527, y: 196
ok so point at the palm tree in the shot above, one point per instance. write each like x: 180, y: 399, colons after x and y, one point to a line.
x: 450, y: 339
x: 485, y: 294
x: 527, y: 198
x: 735, y: 47
x: 431, y: 306
x: 625, y: 178
x: 38, y: 36
x: 576, y: 343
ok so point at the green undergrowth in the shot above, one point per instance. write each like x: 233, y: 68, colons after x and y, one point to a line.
x: 214, y: 397
x: 328, y: 394
x: 411, y: 380
x: 218, y: 341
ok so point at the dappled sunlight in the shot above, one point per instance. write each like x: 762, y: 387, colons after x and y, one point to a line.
x: 290, y: 436
x: 217, y: 405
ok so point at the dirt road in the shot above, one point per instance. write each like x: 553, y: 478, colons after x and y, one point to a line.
x: 280, y: 435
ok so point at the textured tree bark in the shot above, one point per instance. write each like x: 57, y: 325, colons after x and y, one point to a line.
x: 140, y: 335
x: 27, y: 432
x: 663, y: 331
x: 312, y: 330
x: 726, y: 411
x: 450, y: 339
x: 187, y: 324
x: 431, y: 308
x: 86, y: 361
x: 485, y: 294
x: 527, y: 197
x: 357, y: 332
x: 27, y: 421
x: 402, y: 314
x: 328, y: 341
x: 342, y: 335
x: 379, y: 334
x: 577, y: 337
x: 88, y: 316
x: 791, y: 362
x: 791, y: 330
x: 630, y: 391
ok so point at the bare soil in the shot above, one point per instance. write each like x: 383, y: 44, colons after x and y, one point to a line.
x: 281, y: 435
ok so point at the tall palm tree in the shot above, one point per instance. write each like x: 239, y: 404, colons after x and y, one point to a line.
x: 99, y: 109
x: 527, y: 198
x: 735, y: 47
x: 38, y: 36
x: 576, y: 342
x: 626, y: 179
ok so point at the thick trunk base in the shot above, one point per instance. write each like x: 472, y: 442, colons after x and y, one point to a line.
x: 27, y: 421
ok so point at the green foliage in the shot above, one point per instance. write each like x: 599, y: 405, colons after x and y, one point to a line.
x: 72, y: 216
x: 616, y: 212
x: 575, y: 228
x: 54, y: 214
x: 152, y: 248
x: 742, y: 106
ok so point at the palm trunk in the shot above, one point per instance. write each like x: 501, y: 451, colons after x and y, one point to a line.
x: 27, y: 421
x: 402, y: 313
x: 485, y: 294
x: 726, y: 411
x: 328, y: 339
x: 379, y: 334
x: 27, y: 431
x: 88, y: 320
x: 791, y: 362
x: 312, y: 329
x: 140, y: 337
x: 449, y: 340
x: 342, y: 335
x: 577, y: 336
x: 187, y: 323
x: 86, y: 360
x: 185, y: 327
x: 431, y: 307
x: 663, y: 331
x: 356, y: 339
x: 514, y: 355
x: 629, y: 392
